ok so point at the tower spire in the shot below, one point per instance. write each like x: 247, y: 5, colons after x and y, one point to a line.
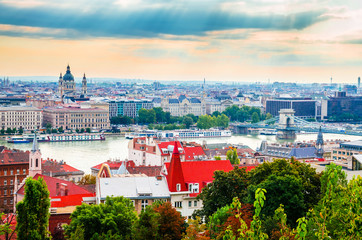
x: 35, y: 143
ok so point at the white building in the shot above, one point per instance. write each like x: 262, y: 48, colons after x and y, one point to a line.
x: 182, y: 106
x: 28, y: 118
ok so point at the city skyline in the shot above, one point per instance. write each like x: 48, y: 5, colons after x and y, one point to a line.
x: 239, y: 41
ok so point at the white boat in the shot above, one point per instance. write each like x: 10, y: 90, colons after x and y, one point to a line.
x: 185, y: 133
x: 146, y: 133
x: 268, y: 132
x: 76, y: 137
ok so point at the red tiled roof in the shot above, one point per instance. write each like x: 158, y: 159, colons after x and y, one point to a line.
x: 70, y: 200
x: 150, y: 171
x: 175, y: 174
x: 190, y: 152
x: 164, y: 145
x: 201, y: 172
x: 114, y: 164
x: 52, y: 182
x: 55, y: 166
x: 14, y: 157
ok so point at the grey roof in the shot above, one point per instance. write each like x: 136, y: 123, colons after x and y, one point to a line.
x: 358, y: 157
x: 133, y: 187
x: 194, y: 100
x: 357, y: 143
x: 181, y: 98
x: 157, y: 100
x: 173, y: 100
x: 304, y: 152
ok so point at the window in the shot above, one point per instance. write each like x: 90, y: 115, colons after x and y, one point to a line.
x: 18, y: 180
x: 191, y: 187
x: 11, y: 201
x: 11, y: 191
x: 178, y: 204
x: 5, y: 172
x: 178, y: 187
x: 36, y: 163
x: 195, y: 203
x: 5, y: 182
x: 11, y: 172
x: 18, y: 171
x: 11, y: 182
x: 5, y: 192
x: 144, y: 204
x: 196, y: 187
x: 190, y: 203
x: 5, y: 202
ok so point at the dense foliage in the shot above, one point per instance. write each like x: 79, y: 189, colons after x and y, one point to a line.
x: 33, y: 211
x: 115, y: 217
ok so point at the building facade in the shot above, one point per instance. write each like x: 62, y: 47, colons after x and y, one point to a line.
x: 182, y: 106
x: 346, y: 150
x: 304, y: 108
x: 128, y: 107
x: 342, y: 107
x: 14, y: 167
x: 28, y: 118
x: 213, y: 105
x: 76, y: 117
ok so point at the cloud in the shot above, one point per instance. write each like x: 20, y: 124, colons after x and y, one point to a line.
x: 111, y: 20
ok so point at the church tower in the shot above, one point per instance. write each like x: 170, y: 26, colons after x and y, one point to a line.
x: 60, y: 85
x: 319, y: 144
x: 35, y: 158
x: 84, y: 86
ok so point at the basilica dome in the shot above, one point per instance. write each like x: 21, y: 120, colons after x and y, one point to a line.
x: 68, y: 76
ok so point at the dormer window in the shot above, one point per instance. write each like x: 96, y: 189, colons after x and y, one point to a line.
x: 178, y: 187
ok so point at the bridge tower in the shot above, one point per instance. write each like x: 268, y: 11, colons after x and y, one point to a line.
x: 286, y: 128
x: 319, y: 144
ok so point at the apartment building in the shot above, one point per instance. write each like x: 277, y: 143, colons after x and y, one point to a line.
x: 76, y: 117
x: 128, y: 107
x: 28, y: 118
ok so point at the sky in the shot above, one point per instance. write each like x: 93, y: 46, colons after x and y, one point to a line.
x: 241, y: 41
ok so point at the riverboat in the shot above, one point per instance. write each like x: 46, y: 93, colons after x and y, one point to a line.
x: 58, y: 138
x: 146, y: 133
x: 184, y: 133
x: 17, y: 139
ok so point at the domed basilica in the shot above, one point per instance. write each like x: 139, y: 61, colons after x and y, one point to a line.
x: 67, y: 85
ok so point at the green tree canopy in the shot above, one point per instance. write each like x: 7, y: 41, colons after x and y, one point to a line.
x: 223, y: 189
x: 205, y: 122
x: 146, y: 116
x: 159, y: 221
x: 232, y: 156
x: 255, y: 117
x: 33, y: 212
x: 303, y: 174
x: 114, y: 217
x: 188, y: 121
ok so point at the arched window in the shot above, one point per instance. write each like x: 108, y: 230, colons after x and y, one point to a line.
x: 178, y: 187
x: 36, y: 163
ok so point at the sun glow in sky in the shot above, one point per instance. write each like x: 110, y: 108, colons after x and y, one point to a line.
x: 245, y: 41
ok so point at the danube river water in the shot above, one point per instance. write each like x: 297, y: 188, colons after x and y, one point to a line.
x: 84, y: 155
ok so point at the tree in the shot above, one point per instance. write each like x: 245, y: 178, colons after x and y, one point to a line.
x: 338, y: 214
x: 302, y: 175
x: 188, y: 121
x: 60, y: 130
x: 195, y: 230
x: 222, y: 121
x: 232, y: 156
x: 77, y: 130
x: 205, y: 122
x: 160, y: 114
x: 2, y: 131
x: 20, y: 130
x: 255, y: 118
x: 115, y: 216
x: 223, y: 189
x: 146, y: 116
x: 7, y: 228
x: 171, y: 222
x: 88, y: 130
x: 9, y: 131
x: 160, y: 221
x: 33, y: 212
x: 87, y: 179
x: 217, y: 157
x: 147, y: 225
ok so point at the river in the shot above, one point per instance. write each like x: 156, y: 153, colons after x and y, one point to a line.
x: 84, y: 155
